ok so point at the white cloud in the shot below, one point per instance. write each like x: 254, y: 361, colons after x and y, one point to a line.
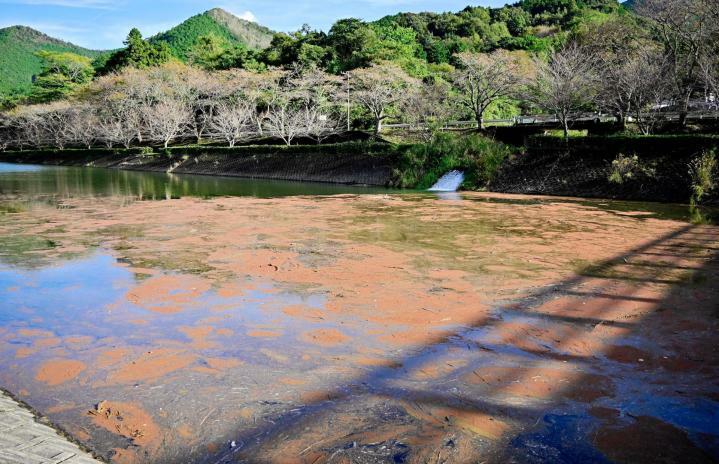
x: 247, y: 16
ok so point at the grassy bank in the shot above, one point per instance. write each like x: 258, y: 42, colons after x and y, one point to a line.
x: 421, y: 165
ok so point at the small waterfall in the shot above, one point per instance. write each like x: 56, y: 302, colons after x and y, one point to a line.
x: 449, y: 182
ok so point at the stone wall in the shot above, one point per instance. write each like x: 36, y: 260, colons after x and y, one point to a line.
x: 301, y: 164
x: 582, y: 167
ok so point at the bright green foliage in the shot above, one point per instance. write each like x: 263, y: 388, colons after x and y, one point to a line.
x: 703, y: 172
x: 479, y: 157
x: 414, y: 40
x: 63, y: 74
x: 517, y: 20
x: 219, y: 23
x: 138, y: 53
x: 212, y: 53
x: 351, y: 42
x: 182, y: 39
x: 550, y: 12
x: 18, y: 61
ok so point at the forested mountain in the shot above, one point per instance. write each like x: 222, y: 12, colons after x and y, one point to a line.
x: 18, y: 62
x: 19, y: 45
x: 420, y: 43
x: 217, y: 22
x: 629, y: 4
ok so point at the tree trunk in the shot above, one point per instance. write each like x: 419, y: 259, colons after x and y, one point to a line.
x: 684, y: 111
x: 621, y: 121
x: 683, y: 118
x: 565, y: 126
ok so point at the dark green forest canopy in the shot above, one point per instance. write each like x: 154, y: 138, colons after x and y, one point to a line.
x: 415, y: 40
x: 421, y: 43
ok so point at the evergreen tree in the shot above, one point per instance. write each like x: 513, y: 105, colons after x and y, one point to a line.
x: 138, y: 53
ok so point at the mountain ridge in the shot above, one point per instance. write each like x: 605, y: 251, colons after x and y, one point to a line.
x: 214, y: 21
x: 18, y: 62
x: 19, y: 43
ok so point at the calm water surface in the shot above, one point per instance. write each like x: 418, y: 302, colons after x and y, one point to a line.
x: 167, y: 318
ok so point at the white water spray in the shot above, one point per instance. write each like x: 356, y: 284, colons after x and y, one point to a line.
x: 449, y: 182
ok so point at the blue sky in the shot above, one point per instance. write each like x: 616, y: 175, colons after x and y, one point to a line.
x: 102, y: 24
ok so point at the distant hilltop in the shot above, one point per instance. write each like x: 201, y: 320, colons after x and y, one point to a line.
x: 18, y: 44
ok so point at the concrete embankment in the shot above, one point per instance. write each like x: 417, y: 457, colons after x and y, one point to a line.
x: 305, y: 163
x: 546, y: 165
x: 582, y: 168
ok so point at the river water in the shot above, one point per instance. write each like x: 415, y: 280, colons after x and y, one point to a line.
x: 161, y: 318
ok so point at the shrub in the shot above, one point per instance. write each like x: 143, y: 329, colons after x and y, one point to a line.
x: 626, y: 168
x: 701, y: 170
x: 478, y: 156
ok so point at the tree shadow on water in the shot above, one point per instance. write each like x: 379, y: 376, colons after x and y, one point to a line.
x: 552, y: 377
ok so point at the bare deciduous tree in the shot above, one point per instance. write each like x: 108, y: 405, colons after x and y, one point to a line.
x: 618, y: 45
x: 378, y: 88
x: 233, y: 121
x: 428, y: 108
x: 710, y: 74
x: 166, y: 120
x: 688, y: 29
x: 83, y: 126
x: 565, y: 84
x: 319, y: 125
x: 647, y: 78
x: 485, y: 78
x: 52, y: 123
x: 119, y: 124
x: 286, y: 121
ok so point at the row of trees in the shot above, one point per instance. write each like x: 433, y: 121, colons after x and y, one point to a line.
x: 614, y: 66
x: 175, y: 102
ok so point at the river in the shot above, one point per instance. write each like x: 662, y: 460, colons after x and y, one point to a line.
x: 164, y: 318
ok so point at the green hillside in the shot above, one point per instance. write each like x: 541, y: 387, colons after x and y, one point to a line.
x: 18, y: 44
x: 217, y: 22
x: 629, y: 4
x: 18, y: 62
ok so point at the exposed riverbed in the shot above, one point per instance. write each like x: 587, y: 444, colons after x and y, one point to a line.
x: 171, y: 319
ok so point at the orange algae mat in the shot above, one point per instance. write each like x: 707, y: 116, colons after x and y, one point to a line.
x: 369, y: 328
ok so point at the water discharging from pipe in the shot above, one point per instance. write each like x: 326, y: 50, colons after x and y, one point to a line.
x: 449, y: 182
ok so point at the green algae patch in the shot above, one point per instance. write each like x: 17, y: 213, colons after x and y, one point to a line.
x: 24, y: 249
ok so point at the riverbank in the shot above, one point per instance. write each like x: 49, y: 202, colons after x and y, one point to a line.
x: 346, y: 163
x: 654, y: 168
